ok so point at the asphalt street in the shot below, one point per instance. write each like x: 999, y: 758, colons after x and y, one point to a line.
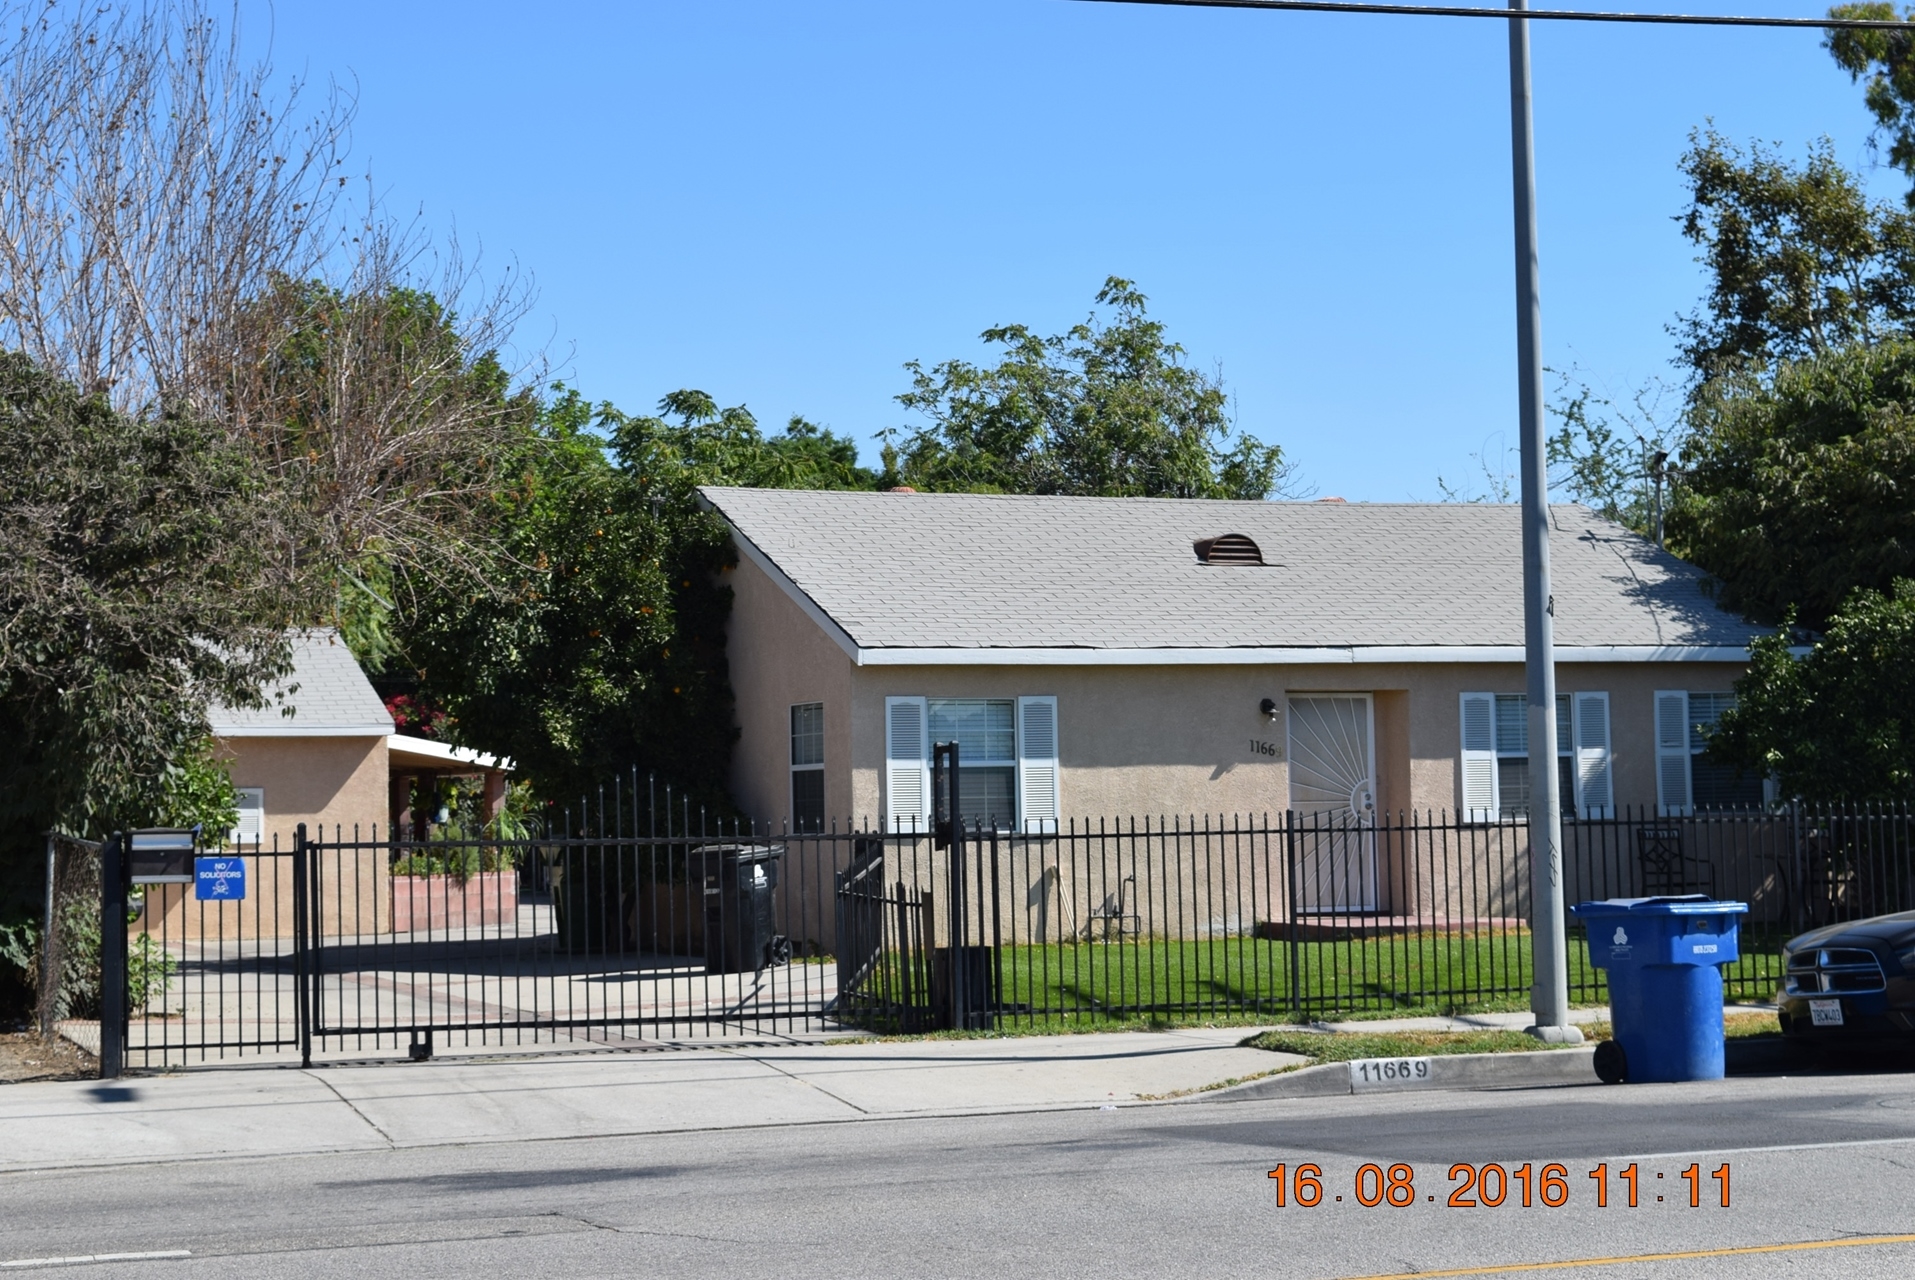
x: 1168, y: 1190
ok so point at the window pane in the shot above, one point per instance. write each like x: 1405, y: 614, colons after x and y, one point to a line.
x: 1717, y: 786
x: 1704, y: 710
x: 808, y: 733
x: 983, y: 728
x: 807, y: 799
x: 1512, y: 724
x: 251, y: 826
x: 1512, y: 781
x: 988, y: 795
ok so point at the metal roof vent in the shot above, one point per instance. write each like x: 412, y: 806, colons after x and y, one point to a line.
x: 1229, y: 548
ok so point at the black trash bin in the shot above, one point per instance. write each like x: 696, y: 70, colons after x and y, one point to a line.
x: 741, y: 918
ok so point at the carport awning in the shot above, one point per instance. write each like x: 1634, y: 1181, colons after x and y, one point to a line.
x: 405, y: 753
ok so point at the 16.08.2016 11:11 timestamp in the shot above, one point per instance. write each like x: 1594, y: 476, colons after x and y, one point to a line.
x: 1491, y: 1186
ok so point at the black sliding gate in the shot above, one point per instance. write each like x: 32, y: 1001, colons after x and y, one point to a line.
x: 583, y: 939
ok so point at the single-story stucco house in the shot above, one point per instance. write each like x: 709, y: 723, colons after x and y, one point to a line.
x: 1130, y: 657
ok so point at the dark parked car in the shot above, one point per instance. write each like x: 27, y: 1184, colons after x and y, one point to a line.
x: 1851, y: 983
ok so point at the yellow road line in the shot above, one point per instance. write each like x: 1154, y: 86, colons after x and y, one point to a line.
x: 1512, y: 1267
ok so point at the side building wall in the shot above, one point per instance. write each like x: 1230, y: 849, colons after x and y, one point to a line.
x: 334, y: 786
x: 779, y: 657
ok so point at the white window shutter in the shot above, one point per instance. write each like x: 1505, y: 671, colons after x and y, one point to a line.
x: 1037, y: 801
x: 1673, y: 796
x: 907, y: 765
x: 1595, y: 784
x: 1479, y: 758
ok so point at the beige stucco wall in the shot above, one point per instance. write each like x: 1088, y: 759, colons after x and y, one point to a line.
x: 323, y: 782
x: 333, y: 785
x: 1147, y: 741
x: 779, y: 657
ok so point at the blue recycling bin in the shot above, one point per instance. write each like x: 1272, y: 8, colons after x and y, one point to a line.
x: 1665, y: 990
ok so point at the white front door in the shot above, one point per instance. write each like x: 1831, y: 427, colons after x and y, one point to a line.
x: 1333, y: 794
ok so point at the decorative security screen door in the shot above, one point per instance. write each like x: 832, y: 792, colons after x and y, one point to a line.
x: 1333, y: 794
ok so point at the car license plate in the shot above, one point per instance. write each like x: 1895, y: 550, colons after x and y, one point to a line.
x: 1825, y: 1013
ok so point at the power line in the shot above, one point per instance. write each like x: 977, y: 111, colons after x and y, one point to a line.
x: 1546, y: 15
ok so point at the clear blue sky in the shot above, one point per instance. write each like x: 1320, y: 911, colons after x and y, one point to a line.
x: 780, y: 202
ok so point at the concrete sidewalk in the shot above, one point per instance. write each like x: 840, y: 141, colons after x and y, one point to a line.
x: 286, y: 1111
x: 499, y: 1097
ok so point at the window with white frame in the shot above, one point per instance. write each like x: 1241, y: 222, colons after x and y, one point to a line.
x: 1687, y: 777
x: 250, y: 828
x: 1512, y: 755
x: 1495, y: 755
x: 1007, y: 754
x: 808, y: 766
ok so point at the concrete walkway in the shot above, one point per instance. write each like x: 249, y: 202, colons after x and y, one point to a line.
x: 283, y: 1111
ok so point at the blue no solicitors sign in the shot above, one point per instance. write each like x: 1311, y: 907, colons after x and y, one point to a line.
x: 219, y: 879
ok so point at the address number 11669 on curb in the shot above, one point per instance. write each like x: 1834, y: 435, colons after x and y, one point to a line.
x: 1369, y: 1073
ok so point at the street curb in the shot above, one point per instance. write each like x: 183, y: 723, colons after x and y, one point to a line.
x: 1760, y: 1057
x: 1547, y: 1068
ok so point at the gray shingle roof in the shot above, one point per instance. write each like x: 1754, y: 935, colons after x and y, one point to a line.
x: 327, y: 695
x: 986, y: 571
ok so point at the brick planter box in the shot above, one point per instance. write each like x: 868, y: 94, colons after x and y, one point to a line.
x: 421, y: 903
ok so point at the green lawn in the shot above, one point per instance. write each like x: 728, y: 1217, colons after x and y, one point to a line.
x: 1246, y: 979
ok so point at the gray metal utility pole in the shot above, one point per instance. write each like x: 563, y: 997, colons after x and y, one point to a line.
x: 1549, y: 997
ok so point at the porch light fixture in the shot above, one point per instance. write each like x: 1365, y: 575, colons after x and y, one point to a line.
x: 1269, y: 708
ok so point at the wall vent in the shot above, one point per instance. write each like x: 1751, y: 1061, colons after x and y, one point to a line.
x: 1229, y: 548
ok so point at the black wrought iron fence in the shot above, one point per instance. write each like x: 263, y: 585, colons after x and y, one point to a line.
x: 210, y: 978
x: 1301, y: 915
x: 636, y: 919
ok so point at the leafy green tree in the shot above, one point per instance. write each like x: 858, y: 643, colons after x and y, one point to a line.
x: 1801, y: 262
x: 1800, y: 487
x: 199, y: 792
x: 600, y: 643
x: 138, y: 583
x: 1604, y: 454
x: 1107, y: 408
x: 691, y: 441
x: 1838, y: 724
x: 1886, y: 60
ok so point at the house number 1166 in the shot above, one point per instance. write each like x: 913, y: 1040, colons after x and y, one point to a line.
x: 1263, y: 748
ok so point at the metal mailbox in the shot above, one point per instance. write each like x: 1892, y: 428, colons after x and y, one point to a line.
x: 161, y: 855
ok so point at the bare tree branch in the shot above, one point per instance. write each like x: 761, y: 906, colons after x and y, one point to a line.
x: 177, y: 233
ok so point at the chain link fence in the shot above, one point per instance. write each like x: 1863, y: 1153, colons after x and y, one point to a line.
x: 66, y: 961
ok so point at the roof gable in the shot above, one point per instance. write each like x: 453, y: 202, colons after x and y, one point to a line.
x: 327, y: 695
